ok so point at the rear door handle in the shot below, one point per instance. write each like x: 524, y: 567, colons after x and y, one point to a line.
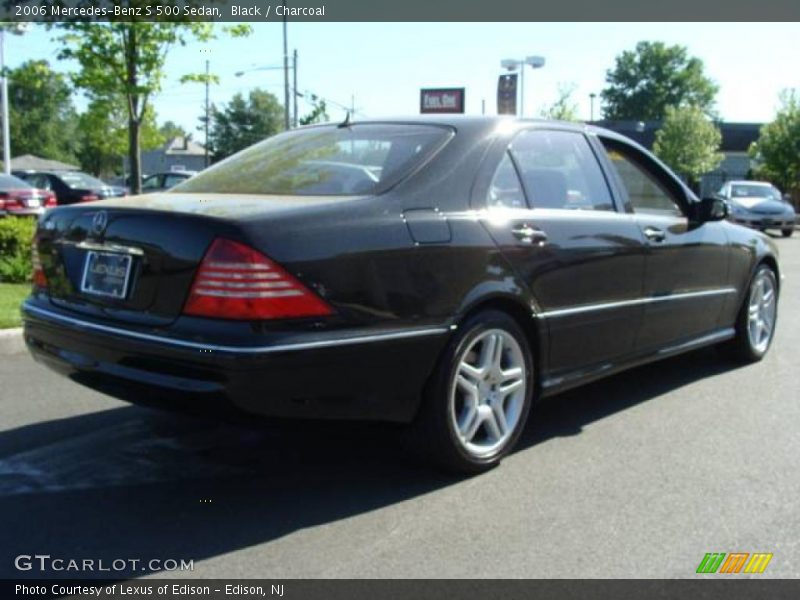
x: 654, y: 234
x: 529, y: 234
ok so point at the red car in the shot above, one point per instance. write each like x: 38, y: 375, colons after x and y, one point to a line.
x: 19, y: 198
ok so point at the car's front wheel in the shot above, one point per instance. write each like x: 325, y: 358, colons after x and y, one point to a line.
x: 755, y: 324
x: 787, y: 232
x: 477, y: 402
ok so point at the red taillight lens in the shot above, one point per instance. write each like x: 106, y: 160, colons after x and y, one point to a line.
x: 236, y: 282
x: 51, y: 200
x: 88, y: 198
x: 39, y: 279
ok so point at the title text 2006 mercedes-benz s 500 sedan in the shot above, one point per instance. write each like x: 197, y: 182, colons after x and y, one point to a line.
x: 444, y: 273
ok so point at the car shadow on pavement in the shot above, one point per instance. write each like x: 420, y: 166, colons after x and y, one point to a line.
x: 134, y: 483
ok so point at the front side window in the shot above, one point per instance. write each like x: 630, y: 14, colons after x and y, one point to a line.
x: 646, y: 193
x: 330, y: 161
x: 559, y: 170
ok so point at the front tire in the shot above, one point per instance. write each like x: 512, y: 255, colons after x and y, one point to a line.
x: 787, y: 232
x: 755, y: 324
x: 478, y: 399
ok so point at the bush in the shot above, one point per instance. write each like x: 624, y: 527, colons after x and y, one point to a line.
x: 16, y: 234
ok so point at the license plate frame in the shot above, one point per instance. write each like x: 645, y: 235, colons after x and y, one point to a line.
x: 106, y: 284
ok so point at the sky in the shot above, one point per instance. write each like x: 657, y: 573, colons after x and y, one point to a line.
x: 380, y: 67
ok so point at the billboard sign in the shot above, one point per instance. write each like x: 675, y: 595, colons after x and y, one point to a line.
x: 507, y: 94
x: 441, y: 100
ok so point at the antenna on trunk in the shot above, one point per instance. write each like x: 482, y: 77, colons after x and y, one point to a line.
x: 346, y: 122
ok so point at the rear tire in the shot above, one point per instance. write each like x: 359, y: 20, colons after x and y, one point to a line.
x: 787, y: 232
x: 755, y: 323
x: 477, y: 401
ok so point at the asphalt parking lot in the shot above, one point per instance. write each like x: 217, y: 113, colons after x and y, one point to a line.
x: 639, y: 475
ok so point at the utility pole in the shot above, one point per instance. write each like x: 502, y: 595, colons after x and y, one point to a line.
x: 592, y: 96
x: 207, y: 112
x: 294, y: 91
x: 285, y: 72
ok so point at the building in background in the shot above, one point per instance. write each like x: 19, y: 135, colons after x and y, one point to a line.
x: 736, y: 140
x: 178, y: 154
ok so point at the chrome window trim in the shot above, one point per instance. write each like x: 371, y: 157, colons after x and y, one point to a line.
x: 292, y: 347
x: 575, y: 310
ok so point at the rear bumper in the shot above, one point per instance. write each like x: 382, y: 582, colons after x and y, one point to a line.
x: 375, y: 375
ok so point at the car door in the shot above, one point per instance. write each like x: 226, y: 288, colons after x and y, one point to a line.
x: 550, y: 210
x: 686, y: 271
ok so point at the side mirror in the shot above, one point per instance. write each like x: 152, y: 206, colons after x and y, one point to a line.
x: 710, y: 209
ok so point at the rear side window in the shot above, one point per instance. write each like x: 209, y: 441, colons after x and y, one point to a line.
x: 505, y: 190
x: 330, y: 161
x: 559, y: 170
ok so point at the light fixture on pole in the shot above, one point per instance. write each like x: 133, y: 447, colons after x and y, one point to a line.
x: 512, y: 64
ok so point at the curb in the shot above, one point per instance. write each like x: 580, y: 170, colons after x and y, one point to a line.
x: 11, y: 341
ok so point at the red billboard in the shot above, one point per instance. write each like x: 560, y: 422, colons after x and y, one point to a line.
x: 441, y: 100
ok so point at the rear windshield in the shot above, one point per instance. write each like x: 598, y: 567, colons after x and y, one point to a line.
x: 9, y: 182
x: 79, y: 180
x: 326, y: 161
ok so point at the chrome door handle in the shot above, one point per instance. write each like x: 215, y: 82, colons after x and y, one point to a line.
x: 655, y: 235
x: 529, y: 235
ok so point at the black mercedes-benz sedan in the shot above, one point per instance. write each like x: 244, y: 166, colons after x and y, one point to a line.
x: 444, y: 273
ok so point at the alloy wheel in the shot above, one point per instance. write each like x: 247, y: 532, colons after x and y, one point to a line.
x: 761, y: 311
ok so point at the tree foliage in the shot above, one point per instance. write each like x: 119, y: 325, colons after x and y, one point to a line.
x: 243, y: 122
x: 645, y: 81
x: 564, y: 108
x: 126, y: 60
x: 777, y: 150
x: 688, y: 142
x: 103, y: 135
x: 318, y: 113
x: 170, y: 130
x: 42, y: 118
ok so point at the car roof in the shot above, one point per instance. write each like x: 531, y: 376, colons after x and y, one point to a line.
x: 745, y: 182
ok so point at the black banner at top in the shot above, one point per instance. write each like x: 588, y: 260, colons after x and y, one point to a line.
x: 405, y: 10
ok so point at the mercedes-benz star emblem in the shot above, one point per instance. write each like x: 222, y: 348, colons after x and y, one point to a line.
x: 99, y: 222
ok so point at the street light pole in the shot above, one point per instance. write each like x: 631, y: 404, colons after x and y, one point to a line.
x: 536, y: 62
x: 592, y: 96
x: 6, y: 132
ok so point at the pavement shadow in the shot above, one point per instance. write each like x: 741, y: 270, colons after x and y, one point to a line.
x: 135, y: 483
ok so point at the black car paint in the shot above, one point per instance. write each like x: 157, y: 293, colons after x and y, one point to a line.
x: 419, y: 257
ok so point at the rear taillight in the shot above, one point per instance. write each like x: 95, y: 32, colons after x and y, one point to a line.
x: 50, y: 200
x: 39, y: 279
x: 88, y: 198
x: 236, y: 282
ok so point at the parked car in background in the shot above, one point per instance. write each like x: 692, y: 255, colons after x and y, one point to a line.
x: 758, y: 204
x: 71, y: 187
x: 163, y: 181
x: 445, y: 273
x: 19, y: 198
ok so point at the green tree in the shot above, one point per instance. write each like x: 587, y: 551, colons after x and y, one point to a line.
x: 688, y: 142
x: 170, y: 130
x: 126, y: 59
x: 777, y: 150
x: 42, y: 118
x: 318, y: 113
x: 243, y: 122
x: 103, y: 135
x: 564, y: 108
x: 646, y: 80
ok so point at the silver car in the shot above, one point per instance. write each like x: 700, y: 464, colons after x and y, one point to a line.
x: 758, y: 204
